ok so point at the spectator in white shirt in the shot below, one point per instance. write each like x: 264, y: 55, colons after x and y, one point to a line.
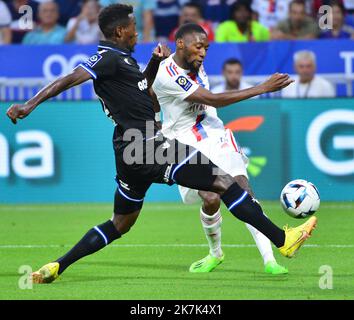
x: 5, y: 21
x: 271, y: 12
x: 84, y: 28
x: 232, y: 73
x: 307, y: 84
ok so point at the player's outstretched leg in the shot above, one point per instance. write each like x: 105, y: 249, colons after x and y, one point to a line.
x: 94, y: 240
x: 263, y: 244
x: 246, y: 208
x: 242, y: 205
x: 211, y: 220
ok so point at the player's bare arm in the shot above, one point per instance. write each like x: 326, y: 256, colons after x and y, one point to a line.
x: 276, y: 82
x: 160, y: 53
x: 157, y: 107
x: 76, y: 77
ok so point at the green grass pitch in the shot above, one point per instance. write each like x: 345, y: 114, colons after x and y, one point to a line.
x: 152, y: 260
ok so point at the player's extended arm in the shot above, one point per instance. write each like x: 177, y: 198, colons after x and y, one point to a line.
x: 160, y: 53
x: 276, y: 82
x: 20, y: 111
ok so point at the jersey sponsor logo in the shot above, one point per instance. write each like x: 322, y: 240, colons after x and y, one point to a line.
x: 197, y: 107
x: 143, y: 85
x: 93, y: 60
x: 184, y: 83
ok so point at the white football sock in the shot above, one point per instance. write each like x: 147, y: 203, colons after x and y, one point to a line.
x: 212, y: 230
x: 263, y: 244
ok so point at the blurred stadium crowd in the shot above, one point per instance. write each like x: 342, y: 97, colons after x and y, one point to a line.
x: 56, y: 22
x: 75, y: 21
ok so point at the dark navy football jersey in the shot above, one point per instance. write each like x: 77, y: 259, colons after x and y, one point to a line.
x: 121, y: 87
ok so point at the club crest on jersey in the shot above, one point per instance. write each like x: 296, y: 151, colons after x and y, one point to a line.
x: 93, y: 60
x: 184, y: 83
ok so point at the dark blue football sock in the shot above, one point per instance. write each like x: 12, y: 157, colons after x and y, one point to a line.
x: 247, y: 209
x: 94, y: 240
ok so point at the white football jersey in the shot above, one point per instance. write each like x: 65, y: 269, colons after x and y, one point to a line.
x: 188, y: 122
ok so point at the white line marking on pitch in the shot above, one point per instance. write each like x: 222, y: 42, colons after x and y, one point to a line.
x: 177, y: 245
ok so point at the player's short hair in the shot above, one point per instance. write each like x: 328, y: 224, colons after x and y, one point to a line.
x: 113, y: 16
x: 231, y: 61
x: 304, y: 54
x: 195, y: 6
x: 188, y: 28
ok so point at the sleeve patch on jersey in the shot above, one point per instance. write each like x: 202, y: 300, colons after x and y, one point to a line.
x: 88, y: 69
x: 184, y: 83
x: 90, y: 62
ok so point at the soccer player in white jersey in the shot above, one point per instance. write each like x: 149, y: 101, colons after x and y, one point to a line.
x: 197, y: 124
